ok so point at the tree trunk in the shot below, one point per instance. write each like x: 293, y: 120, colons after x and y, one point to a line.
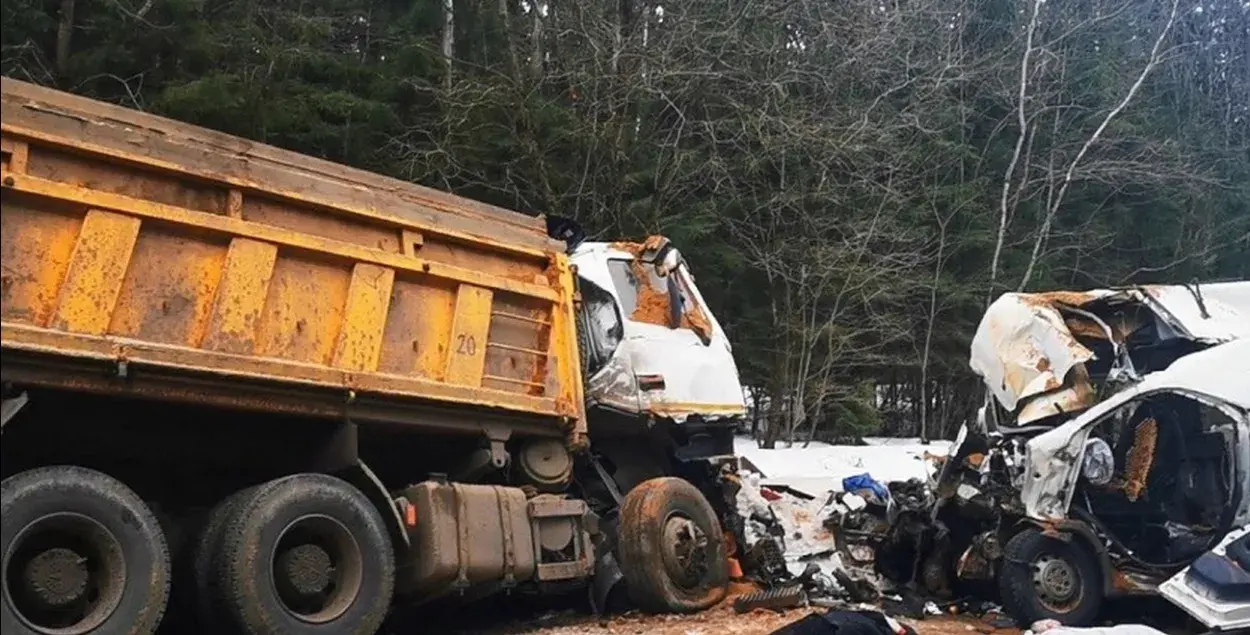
x: 64, y: 35
x: 449, y: 39
x: 536, y: 45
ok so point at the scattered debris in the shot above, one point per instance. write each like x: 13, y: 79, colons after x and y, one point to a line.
x: 773, y: 599
x: 1137, y: 410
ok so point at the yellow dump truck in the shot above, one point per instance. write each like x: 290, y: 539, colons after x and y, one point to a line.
x: 286, y: 393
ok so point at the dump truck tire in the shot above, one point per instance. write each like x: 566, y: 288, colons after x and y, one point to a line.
x: 194, y: 583
x: 1049, y: 578
x: 672, y: 548
x: 303, y: 555
x: 82, y: 554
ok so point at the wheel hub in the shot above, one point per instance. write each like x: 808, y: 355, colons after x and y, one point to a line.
x: 685, y: 550
x: 1055, y: 579
x: 64, y: 574
x: 307, y: 569
x: 57, y: 577
x: 317, y: 569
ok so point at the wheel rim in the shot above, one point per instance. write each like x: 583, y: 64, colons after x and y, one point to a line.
x: 316, y: 568
x: 1057, y: 582
x: 64, y: 574
x: 685, y: 550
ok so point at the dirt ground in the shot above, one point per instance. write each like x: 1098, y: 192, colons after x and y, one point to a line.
x: 494, y: 619
x: 718, y: 621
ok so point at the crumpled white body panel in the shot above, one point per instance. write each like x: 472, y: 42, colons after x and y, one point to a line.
x: 1024, y: 349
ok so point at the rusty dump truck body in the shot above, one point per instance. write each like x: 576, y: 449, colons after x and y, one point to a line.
x: 148, y: 257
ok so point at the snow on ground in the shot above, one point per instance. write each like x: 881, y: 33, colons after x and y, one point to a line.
x: 820, y: 467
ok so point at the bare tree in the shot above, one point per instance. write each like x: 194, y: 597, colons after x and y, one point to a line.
x: 1057, y: 201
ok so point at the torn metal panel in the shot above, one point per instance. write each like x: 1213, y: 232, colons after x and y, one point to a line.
x: 1033, y: 349
x: 1219, y: 376
x: 1023, y: 348
x: 1210, y: 313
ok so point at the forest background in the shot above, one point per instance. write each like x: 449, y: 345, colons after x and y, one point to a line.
x: 851, y: 180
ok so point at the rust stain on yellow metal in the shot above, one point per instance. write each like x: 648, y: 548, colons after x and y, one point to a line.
x: 168, y: 291
x: 470, y: 328
x: 564, y: 361
x: 368, y: 299
x: 240, y: 297
x: 234, y: 204
x: 15, y: 154
x: 96, y: 269
x: 137, y: 207
x: 417, y: 329
x: 21, y: 337
x: 249, y: 184
x: 36, y: 249
x: 304, y: 310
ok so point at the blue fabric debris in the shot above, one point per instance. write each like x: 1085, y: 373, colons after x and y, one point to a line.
x: 860, y: 482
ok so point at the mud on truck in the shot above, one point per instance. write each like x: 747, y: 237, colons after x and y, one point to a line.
x: 275, y: 395
x: 1113, y: 455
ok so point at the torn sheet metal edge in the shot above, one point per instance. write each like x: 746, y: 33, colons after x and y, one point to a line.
x: 1218, y: 376
x: 1024, y: 348
x: 1212, y: 614
x: 1210, y: 313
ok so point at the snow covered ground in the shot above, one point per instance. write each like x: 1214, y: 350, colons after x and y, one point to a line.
x: 820, y: 467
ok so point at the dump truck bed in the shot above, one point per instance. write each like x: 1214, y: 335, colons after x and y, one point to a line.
x: 147, y: 257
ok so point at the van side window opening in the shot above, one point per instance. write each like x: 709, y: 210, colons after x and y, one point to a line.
x: 603, y: 324
x: 1174, y: 476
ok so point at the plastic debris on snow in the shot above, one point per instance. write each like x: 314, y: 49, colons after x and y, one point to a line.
x: 787, y: 495
x: 795, y: 522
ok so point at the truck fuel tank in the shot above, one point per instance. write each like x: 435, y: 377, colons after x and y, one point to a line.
x: 471, y: 536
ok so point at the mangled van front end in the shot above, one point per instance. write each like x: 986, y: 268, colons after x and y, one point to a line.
x: 1116, y: 450
x: 1134, y: 454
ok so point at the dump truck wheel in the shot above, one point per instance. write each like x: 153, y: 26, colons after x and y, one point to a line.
x: 1049, y: 578
x: 302, y: 555
x: 672, y: 548
x: 82, y: 553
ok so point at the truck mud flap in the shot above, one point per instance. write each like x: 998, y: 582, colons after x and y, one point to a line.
x: 11, y: 407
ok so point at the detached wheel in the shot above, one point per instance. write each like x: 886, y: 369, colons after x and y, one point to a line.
x: 302, y: 555
x: 1049, y: 578
x: 82, y: 554
x: 672, y: 548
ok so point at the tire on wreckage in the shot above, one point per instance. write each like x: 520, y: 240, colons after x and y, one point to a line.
x: 1050, y: 578
x: 672, y: 548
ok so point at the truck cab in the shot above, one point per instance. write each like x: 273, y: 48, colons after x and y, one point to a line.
x: 652, y: 347
x: 653, y: 356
